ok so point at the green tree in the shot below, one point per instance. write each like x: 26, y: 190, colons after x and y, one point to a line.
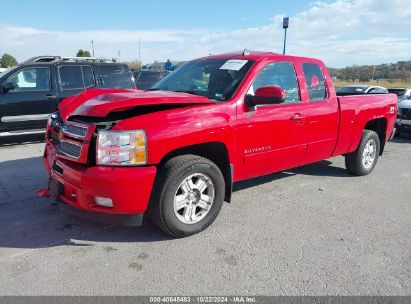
x: 7, y: 61
x: 83, y: 53
x: 135, y: 64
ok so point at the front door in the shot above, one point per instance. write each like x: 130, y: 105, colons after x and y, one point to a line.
x: 272, y: 138
x: 27, y: 106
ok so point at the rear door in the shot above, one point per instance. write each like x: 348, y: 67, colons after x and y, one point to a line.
x: 28, y: 105
x: 272, y: 137
x: 74, y: 78
x: 322, y: 113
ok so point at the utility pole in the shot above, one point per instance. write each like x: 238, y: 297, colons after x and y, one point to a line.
x: 92, y: 46
x: 139, y: 52
x: 285, y: 27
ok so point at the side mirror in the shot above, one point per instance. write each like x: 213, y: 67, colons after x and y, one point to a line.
x: 8, y: 86
x: 266, y: 96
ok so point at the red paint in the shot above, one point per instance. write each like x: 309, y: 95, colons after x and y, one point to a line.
x: 258, y: 141
x: 270, y: 91
x: 315, y: 82
x: 42, y: 193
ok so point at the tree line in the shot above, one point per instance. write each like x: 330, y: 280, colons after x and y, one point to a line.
x: 400, y: 70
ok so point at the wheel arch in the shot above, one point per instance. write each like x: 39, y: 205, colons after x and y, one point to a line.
x: 379, y: 126
x: 216, y: 152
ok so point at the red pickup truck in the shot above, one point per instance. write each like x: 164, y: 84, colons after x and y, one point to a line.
x: 174, y: 152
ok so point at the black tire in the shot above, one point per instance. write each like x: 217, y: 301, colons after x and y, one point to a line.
x: 170, y: 177
x: 354, y: 161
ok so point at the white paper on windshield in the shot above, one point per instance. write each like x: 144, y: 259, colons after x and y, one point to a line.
x: 233, y: 64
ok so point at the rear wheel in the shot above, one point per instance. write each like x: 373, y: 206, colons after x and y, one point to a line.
x: 363, y: 160
x: 188, y: 196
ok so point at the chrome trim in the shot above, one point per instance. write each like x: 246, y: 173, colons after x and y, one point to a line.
x: 24, y: 118
x: 67, y: 154
x: 72, y: 134
x: 394, y: 131
x: 18, y: 133
x: 404, y: 122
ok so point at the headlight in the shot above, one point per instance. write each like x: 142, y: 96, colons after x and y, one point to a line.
x: 121, y: 148
x: 51, y: 117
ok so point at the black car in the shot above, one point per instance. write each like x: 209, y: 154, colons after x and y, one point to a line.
x: 145, y: 79
x: 30, y: 91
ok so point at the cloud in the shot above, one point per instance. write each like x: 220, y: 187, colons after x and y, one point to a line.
x: 342, y: 32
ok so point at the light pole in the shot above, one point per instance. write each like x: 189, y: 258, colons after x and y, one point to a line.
x: 285, y: 27
x: 92, y: 46
x: 139, y: 52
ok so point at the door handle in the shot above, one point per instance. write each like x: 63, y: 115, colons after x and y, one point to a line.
x: 297, y: 117
x: 49, y: 96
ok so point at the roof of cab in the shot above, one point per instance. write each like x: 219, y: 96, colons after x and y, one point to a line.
x: 253, y: 55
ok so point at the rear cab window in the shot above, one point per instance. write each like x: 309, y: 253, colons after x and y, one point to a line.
x: 315, y: 81
x: 116, y: 76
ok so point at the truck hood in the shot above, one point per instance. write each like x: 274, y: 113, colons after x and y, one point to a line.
x: 101, y: 102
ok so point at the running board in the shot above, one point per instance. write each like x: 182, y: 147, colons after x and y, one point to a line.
x: 23, y: 132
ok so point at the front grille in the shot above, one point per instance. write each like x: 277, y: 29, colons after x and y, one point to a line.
x: 74, y: 130
x: 69, y: 149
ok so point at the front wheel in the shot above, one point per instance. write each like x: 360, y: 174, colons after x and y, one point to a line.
x: 363, y: 160
x: 188, y: 196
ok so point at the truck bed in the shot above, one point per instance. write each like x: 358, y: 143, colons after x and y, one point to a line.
x: 356, y: 111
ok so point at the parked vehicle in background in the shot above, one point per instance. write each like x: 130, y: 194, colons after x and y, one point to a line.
x: 145, y: 79
x: 402, y: 93
x: 360, y: 89
x: 175, y: 151
x: 403, y: 122
x: 32, y: 90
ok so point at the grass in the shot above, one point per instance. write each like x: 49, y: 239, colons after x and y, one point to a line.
x: 384, y: 83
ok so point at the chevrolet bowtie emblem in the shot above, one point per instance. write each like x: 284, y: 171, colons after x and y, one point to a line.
x: 61, y: 135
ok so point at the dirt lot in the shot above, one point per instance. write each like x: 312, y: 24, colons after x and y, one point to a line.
x: 313, y: 230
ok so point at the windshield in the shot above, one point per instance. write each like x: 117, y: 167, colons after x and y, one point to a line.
x: 216, y: 79
x: 6, y: 71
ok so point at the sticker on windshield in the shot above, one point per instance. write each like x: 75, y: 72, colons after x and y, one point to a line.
x: 233, y: 64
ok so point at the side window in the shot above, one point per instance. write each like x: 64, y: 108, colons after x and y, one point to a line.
x: 88, y: 76
x: 314, y: 78
x: 31, y: 79
x: 75, y: 77
x: 281, y: 74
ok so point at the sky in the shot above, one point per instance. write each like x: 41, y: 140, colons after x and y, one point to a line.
x: 340, y: 32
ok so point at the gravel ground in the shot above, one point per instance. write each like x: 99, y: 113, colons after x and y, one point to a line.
x: 314, y: 230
